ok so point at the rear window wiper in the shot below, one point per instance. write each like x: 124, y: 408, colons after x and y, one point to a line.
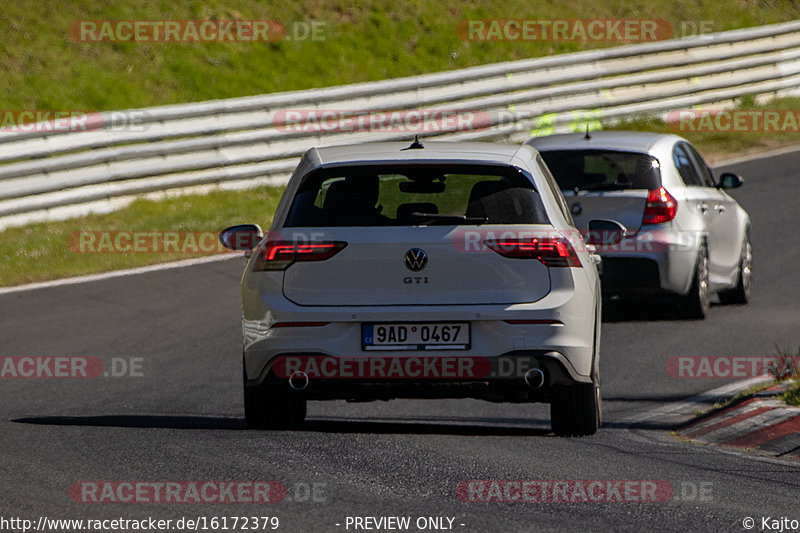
x: 444, y: 219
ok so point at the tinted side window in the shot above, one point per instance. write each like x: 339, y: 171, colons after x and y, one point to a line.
x: 706, y: 177
x: 686, y: 169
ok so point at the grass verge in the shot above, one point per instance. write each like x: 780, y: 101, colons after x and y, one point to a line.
x: 740, y: 397
x: 786, y: 369
x: 791, y: 359
x: 792, y: 396
x: 44, y: 69
x: 43, y: 251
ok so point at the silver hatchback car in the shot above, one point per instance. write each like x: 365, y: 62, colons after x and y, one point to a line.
x: 683, y: 235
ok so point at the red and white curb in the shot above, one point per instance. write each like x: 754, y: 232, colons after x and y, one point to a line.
x: 762, y: 423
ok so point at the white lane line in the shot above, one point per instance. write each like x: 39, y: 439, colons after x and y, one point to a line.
x: 119, y: 273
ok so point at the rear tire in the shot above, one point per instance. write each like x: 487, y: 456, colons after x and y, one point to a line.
x: 272, y: 406
x: 741, y: 293
x: 575, y: 409
x: 696, y: 304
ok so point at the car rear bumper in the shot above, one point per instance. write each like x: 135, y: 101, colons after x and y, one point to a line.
x: 563, y: 323
x: 519, y: 376
x: 650, y: 261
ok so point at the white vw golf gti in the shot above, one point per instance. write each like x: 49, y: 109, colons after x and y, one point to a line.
x: 443, y: 270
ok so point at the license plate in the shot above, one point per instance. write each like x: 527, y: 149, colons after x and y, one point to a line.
x: 416, y: 336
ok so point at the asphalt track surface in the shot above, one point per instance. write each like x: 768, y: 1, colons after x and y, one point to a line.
x: 182, y: 419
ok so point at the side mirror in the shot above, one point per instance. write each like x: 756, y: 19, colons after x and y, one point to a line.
x: 242, y: 237
x: 604, y: 232
x: 728, y: 180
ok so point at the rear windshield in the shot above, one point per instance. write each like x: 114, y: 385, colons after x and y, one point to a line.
x: 603, y: 170
x: 416, y: 195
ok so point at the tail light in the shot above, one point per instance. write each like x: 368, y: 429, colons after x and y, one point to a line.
x: 278, y: 255
x: 552, y: 252
x: 661, y: 207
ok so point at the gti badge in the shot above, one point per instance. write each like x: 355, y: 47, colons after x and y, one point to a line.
x: 415, y: 259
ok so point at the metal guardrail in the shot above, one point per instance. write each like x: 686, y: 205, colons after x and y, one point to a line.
x: 244, y: 141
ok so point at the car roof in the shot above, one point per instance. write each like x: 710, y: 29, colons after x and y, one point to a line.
x: 397, y: 151
x: 633, y: 141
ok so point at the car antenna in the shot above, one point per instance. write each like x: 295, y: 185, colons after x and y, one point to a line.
x: 416, y: 145
x: 587, y: 137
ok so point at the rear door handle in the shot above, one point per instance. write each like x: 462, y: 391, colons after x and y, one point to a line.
x: 720, y: 208
x: 703, y: 207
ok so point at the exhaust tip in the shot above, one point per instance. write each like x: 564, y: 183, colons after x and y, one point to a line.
x: 298, y: 380
x: 534, y: 378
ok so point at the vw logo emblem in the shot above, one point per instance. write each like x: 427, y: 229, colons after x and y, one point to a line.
x: 415, y: 259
